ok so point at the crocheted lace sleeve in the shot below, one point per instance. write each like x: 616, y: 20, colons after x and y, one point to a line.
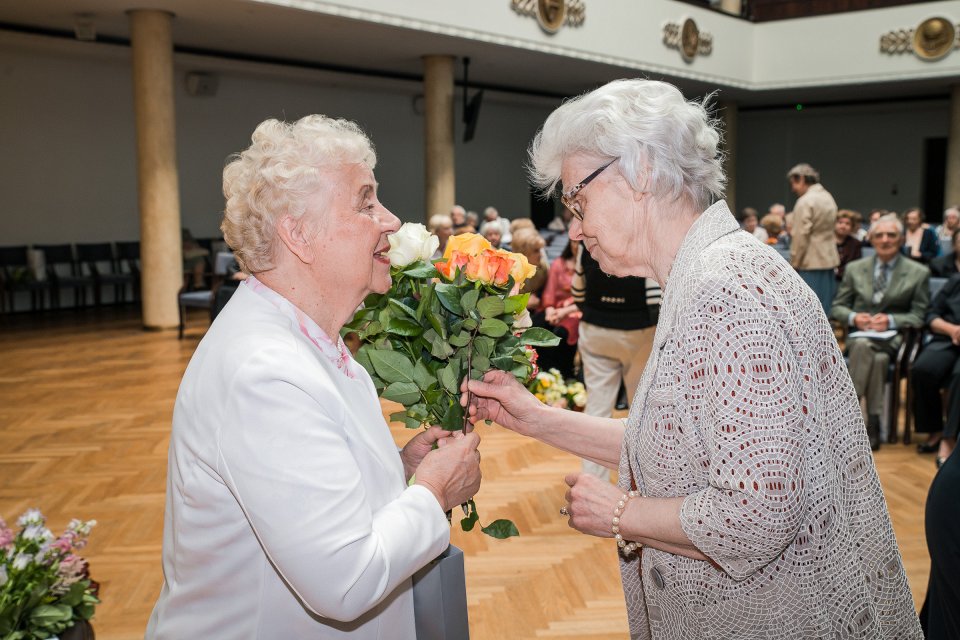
x: 746, y: 398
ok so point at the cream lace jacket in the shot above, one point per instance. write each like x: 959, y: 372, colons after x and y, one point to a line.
x: 747, y: 409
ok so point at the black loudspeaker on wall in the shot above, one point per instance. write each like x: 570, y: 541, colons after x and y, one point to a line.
x: 471, y: 106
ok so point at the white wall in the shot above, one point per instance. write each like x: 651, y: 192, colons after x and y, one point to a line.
x: 863, y: 153
x: 68, y: 165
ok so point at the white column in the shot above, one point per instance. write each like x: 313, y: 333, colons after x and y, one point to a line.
x: 951, y: 195
x: 438, y: 134
x: 159, y: 199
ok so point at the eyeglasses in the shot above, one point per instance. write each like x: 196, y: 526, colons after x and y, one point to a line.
x: 567, y: 198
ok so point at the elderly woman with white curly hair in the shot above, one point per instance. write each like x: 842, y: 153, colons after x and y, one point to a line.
x: 748, y: 505
x: 288, y: 510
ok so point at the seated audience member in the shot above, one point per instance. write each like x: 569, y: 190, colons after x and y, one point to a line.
x: 847, y: 246
x: 521, y: 223
x: 530, y: 243
x: 441, y: 226
x: 491, y: 215
x: 473, y: 222
x: 920, y: 243
x: 562, y: 221
x: 949, y: 264
x: 875, y: 215
x: 195, y: 260
x: 750, y: 224
x: 773, y: 225
x: 560, y: 312
x: 491, y: 231
x: 940, y: 615
x: 777, y: 209
x: 936, y: 368
x: 877, y: 293
x: 951, y: 222
x: 458, y: 216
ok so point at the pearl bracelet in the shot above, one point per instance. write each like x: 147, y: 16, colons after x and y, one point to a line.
x: 625, y: 547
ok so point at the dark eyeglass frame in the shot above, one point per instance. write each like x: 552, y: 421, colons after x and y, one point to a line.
x: 567, y: 198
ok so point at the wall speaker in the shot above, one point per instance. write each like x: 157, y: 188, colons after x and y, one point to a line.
x: 201, y: 84
x: 470, y: 115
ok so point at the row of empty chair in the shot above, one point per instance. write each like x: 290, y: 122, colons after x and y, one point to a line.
x: 46, y: 271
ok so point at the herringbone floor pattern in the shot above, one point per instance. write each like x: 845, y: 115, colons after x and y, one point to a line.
x: 85, y: 408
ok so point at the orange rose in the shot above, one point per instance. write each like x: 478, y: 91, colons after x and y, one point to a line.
x: 471, y: 244
x: 448, y: 268
x: 490, y: 267
x: 522, y: 269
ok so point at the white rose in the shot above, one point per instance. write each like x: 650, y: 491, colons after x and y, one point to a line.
x: 411, y: 243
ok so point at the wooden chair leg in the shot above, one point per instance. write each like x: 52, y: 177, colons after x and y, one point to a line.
x: 183, y: 320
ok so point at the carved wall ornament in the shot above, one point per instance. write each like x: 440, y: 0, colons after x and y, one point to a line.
x: 688, y: 38
x: 551, y: 15
x: 931, y: 40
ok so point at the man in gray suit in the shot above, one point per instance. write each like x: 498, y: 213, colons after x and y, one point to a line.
x: 879, y: 293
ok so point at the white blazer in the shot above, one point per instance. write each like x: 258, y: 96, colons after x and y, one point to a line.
x: 287, y: 513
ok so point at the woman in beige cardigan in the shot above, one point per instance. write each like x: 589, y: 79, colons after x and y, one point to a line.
x: 748, y: 505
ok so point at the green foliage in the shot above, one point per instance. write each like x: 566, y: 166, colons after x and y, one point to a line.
x: 422, y: 337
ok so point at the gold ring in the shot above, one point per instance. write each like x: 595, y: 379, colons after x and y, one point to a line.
x: 564, y: 512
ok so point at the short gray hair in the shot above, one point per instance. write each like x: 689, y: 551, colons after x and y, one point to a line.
x: 276, y: 174
x: 661, y: 142
x: 891, y: 218
x: 805, y: 171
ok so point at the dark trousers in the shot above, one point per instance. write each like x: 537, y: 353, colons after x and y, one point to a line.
x: 937, y: 367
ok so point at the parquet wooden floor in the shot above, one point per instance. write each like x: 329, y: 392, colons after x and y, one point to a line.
x: 85, y: 407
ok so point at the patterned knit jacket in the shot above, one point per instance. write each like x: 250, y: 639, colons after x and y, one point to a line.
x: 746, y: 408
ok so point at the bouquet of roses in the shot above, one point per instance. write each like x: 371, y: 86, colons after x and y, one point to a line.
x: 45, y: 587
x: 441, y: 322
x: 551, y: 389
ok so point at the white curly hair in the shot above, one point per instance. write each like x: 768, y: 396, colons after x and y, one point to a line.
x: 661, y: 142
x: 276, y: 174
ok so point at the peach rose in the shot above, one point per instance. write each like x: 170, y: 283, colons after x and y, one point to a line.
x: 490, y: 267
x: 471, y: 244
x: 448, y: 267
x: 522, y: 269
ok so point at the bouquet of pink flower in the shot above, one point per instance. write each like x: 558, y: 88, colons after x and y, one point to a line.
x: 45, y: 587
x: 443, y: 321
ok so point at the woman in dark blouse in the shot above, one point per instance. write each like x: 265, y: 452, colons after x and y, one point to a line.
x: 848, y: 247
x: 946, y: 266
x: 938, y: 367
x: 920, y: 243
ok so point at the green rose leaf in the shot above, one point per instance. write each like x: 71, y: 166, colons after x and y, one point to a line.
x: 462, y: 339
x: 440, y: 349
x: 449, y: 296
x: 501, y: 529
x: 448, y: 377
x: 398, y: 416
x: 472, y: 518
x: 516, y: 304
x: 453, y: 417
x: 423, y: 377
x: 404, y: 327
x: 496, y: 328
x: 421, y: 269
x: 469, y: 324
x: 469, y: 300
x: 47, y: 614
x: 403, y: 308
x: 403, y: 392
x: 537, y: 337
x: 391, y: 366
x: 371, y: 329
x: 504, y: 363
x: 480, y: 363
x: 490, y: 307
x: 484, y: 345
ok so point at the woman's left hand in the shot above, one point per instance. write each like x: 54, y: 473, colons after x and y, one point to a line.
x: 419, y: 446
x: 591, y: 502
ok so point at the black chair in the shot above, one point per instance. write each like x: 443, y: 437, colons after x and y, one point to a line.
x: 105, y: 270
x: 16, y: 276
x: 63, y: 272
x: 921, y: 339
x: 204, y: 298
x: 128, y: 255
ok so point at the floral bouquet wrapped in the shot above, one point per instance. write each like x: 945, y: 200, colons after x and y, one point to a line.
x: 550, y: 388
x: 439, y: 323
x: 45, y: 587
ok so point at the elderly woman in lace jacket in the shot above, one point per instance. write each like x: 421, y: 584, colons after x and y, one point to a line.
x: 746, y: 487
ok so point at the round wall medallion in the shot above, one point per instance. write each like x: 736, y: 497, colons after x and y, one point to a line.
x: 551, y: 14
x: 689, y: 39
x: 934, y: 38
